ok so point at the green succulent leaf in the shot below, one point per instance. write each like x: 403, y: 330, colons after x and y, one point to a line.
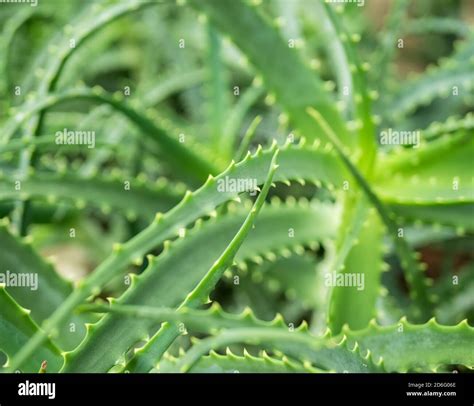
x: 16, y: 327
x: 8, y: 34
x: 147, y: 356
x: 295, y: 163
x: 390, y: 348
x: 457, y: 215
x: 237, y: 115
x: 357, y: 287
x: 48, y: 290
x: 338, y: 268
x: 176, y: 261
x: 443, y: 25
x: 135, y: 197
x: 360, y: 94
x: 405, y: 346
x: 438, y: 172
x: 246, y: 363
x: 268, y: 50
x: 413, y: 271
x: 296, y: 343
x: 388, y: 37
x: 454, y: 72
x: 218, y: 95
x: 185, y: 160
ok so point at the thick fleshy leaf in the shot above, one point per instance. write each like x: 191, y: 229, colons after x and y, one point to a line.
x: 16, y: 328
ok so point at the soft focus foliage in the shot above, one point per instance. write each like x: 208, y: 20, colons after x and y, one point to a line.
x: 134, y: 236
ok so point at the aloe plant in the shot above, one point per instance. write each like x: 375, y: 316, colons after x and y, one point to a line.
x: 233, y: 185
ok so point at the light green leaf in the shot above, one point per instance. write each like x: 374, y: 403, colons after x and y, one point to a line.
x: 16, y: 327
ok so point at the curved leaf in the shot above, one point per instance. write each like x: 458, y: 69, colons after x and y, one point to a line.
x: 439, y: 172
x: 184, y: 159
x: 16, y: 327
x: 19, y: 258
x: 162, y: 277
x: 134, y: 196
x: 247, y: 363
x: 399, y: 347
x: 277, y: 62
x: 295, y: 163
